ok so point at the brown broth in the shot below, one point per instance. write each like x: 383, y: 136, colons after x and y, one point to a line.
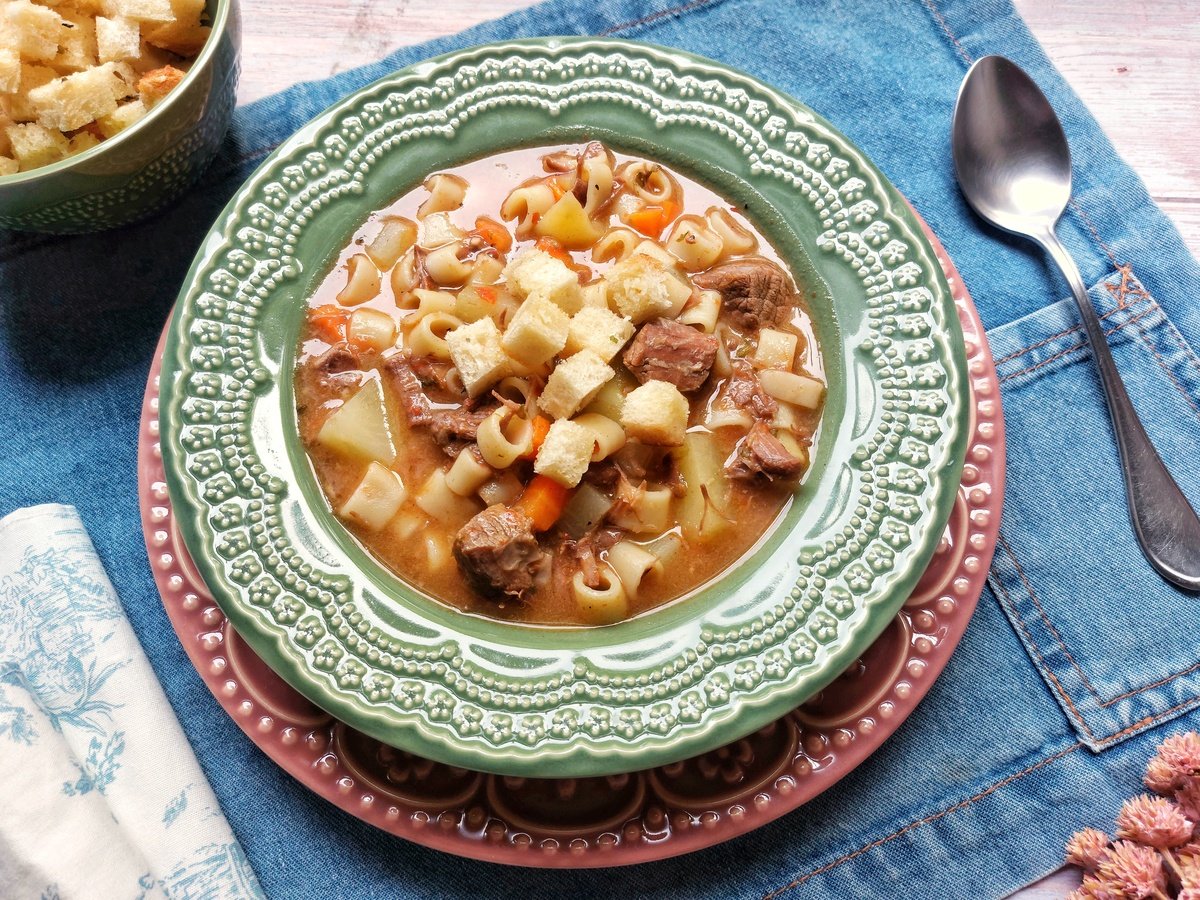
x: 754, y: 506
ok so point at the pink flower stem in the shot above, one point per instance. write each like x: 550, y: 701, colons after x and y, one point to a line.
x: 1169, y: 859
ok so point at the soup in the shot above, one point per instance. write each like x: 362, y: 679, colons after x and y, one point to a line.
x: 558, y: 386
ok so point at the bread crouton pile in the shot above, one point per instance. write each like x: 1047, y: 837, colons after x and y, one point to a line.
x: 76, y: 72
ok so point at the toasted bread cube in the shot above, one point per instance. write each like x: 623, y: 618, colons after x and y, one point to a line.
x: 478, y: 355
x: 573, y: 384
x: 599, y: 330
x: 9, y: 166
x: 80, y: 141
x: 655, y: 413
x: 775, y: 350
x: 185, y: 35
x: 142, y: 10
x: 537, y: 272
x: 75, y: 100
x: 76, y: 43
x: 118, y: 39
x: 595, y: 293
x: 121, y: 118
x: 19, y: 107
x: 33, y: 145
x: 537, y: 331
x: 566, y: 452
x: 33, y: 31
x: 154, y: 85
x: 642, y: 288
x: 10, y: 71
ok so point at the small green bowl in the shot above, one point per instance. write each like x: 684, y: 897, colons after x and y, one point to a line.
x: 145, y: 167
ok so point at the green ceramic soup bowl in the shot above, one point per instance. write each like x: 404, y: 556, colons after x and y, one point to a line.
x: 141, y: 170
x: 377, y: 652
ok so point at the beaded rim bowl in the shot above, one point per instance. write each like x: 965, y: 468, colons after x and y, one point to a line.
x: 514, y: 699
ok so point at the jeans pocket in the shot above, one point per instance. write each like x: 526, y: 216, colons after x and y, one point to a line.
x: 1115, y: 643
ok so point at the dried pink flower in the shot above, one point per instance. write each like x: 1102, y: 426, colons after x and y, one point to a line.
x: 1188, y: 799
x: 1135, y: 869
x: 1087, y: 849
x: 1094, y: 888
x: 1187, y: 867
x: 1153, y: 821
x: 1181, y: 752
x: 1189, y: 894
x: 1160, y: 777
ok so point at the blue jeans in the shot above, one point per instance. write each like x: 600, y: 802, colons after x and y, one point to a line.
x: 1079, y: 658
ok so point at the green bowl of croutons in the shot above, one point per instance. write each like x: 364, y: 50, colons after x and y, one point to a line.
x: 109, y: 110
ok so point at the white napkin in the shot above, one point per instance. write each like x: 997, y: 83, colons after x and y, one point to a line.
x: 100, y: 794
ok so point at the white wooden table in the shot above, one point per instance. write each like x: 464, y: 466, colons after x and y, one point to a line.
x: 1135, y: 64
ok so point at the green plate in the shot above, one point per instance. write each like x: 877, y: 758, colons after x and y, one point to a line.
x: 517, y: 699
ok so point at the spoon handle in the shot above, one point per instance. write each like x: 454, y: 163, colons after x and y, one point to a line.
x: 1166, y: 526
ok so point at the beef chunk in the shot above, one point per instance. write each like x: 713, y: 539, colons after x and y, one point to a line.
x: 667, y: 351
x: 337, y: 359
x: 760, y: 454
x: 438, y: 377
x: 756, y: 291
x: 498, y: 553
x: 746, y: 391
x: 452, y: 428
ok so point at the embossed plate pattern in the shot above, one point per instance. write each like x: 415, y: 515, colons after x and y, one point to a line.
x: 515, y: 699
x: 625, y: 818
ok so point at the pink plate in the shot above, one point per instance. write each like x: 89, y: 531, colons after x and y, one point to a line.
x: 619, y: 819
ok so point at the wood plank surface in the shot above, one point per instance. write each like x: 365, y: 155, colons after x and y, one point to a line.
x: 1134, y: 63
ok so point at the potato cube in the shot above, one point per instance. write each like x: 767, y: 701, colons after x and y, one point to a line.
x: 567, y: 223
x: 478, y: 355
x: 566, y: 452
x: 33, y: 145
x: 655, y: 413
x: 775, y: 350
x: 376, y: 500
x: 359, y: 427
x: 573, y: 384
x: 142, y: 10
x: 537, y: 272
x: 33, y: 31
x: 118, y: 39
x: 600, y: 330
x: 642, y: 288
x: 10, y: 71
x: 73, y: 101
x: 9, y: 166
x: 537, y: 331
x: 121, y: 118
x: 76, y: 43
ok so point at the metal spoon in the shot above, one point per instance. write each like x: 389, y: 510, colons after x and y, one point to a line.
x: 1014, y: 168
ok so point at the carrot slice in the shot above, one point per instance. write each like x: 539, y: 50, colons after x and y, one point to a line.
x: 494, y: 233
x: 543, y: 501
x: 554, y: 248
x: 651, y: 220
x: 329, y: 322
x: 541, y: 427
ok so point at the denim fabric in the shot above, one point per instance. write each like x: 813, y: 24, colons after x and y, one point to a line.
x: 1079, y: 658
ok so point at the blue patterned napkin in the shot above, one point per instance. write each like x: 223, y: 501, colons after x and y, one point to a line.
x: 102, y: 797
x: 1079, y: 658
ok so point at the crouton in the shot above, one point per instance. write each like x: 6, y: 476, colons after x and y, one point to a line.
x: 80, y: 141
x: 10, y: 71
x: 118, y: 39
x: 9, y: 166
x: 537, y: 331
x: 33, y: 31
x: 157, y: 83
x: 599, y: 330
x: 121, y: 118
x: 185, y: 35
x: 642, y: 288
x: 76, y: 43
x: 73, y: 101
x: 478, y: 355
x: 33, y: 145
x: 566, y: 452
x: 537, y: 272
x: 595, y: 293
x: 573, y: 384
x: 655, y: 413
x: 142, y: 10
